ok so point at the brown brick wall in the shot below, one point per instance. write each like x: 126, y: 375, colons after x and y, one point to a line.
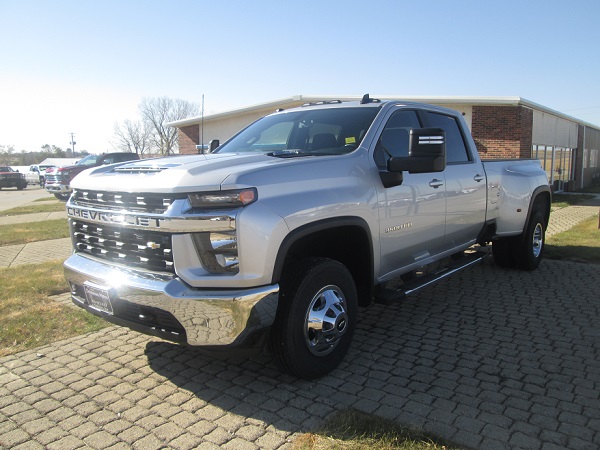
x: 188, y: 137
x: 502, y: 131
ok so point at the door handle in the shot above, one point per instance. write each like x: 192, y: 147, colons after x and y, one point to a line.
x: 479, y: 178
x: 435, y: 183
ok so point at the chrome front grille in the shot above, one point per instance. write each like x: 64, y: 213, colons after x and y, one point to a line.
x: 54, y: 178
x: 138, y: 249
x: 135, y: 202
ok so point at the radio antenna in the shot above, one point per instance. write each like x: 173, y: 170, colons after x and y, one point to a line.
x: 202, y: 127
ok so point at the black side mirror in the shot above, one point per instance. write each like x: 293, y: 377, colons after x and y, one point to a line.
x: 213, y: 145
x: 426, y: 150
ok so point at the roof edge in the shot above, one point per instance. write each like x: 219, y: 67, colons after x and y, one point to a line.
x: 298, y: 100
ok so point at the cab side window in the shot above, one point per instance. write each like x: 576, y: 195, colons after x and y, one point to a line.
x: 456, y: 150
x: 393, y: 140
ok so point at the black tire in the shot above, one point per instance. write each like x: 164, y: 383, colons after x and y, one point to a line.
x: 503, y: 251
x: 530, y: 249
x: 21, y: 186
x: 312, y: 348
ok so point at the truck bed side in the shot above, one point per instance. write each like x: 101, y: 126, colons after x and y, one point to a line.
x: 512, y: 185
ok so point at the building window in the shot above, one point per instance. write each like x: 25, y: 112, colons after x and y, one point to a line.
x: 562, y: 164
x: 548, y: 163
x: 557, y: 162
x: 539, y: 152
x: 585, y: 158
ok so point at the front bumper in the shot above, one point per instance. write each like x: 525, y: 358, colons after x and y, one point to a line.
x: 12, y: 182
x: 169, y: 308
x: 58, y: 188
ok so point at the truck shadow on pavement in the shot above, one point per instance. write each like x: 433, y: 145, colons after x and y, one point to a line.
x: 491, y: 358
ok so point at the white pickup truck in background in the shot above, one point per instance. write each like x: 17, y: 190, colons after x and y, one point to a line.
x: 37, y: 173
x: 295, y: 222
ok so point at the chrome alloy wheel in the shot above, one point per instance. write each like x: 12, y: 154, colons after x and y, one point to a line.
x: 538, y: 240
x: 326, y: 320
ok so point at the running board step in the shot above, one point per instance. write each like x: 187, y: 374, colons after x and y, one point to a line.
x: 388, y: 296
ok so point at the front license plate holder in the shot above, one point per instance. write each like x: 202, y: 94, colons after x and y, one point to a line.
x: 99, y: 298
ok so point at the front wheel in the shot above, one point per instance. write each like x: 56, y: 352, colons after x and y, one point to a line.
x: 315, y: 319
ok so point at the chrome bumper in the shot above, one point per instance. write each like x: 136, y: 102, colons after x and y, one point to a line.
x: 61, y: 188
x: 170, y: 308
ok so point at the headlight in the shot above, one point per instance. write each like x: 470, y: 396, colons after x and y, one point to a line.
x: 218, y: 251
x: 223, y: 199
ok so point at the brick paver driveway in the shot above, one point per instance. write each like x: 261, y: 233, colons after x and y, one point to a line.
x: 491, y: 358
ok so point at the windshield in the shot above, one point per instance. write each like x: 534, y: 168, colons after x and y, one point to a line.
x: 6, y: 169
x: 331, y: 131
x: 89, y: 160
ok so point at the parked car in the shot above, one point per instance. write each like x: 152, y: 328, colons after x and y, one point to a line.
x: 11, y: 178
x: 58, y: 181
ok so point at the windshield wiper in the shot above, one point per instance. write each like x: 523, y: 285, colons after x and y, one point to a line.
x: 289, y: 153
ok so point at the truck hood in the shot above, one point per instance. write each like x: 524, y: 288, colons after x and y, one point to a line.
x: 178, y: 174
x: 72, y: 168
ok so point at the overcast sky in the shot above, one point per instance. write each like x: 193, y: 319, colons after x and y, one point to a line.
x: 80, y: 66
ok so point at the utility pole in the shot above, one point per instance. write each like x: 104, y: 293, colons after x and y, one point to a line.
x: 72, y: 144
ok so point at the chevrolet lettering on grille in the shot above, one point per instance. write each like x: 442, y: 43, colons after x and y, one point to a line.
x: 112, y: 218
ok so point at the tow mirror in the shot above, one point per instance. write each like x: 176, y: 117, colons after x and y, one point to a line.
x: 426, y: 150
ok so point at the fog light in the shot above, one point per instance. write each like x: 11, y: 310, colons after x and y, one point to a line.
x: 218, y: 251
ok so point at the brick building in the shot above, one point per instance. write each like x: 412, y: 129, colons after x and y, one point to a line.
x: 502, y: 127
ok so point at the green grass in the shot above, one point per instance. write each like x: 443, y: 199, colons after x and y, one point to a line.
x: 581, y: 243
x: 46, y: 199
x: 29, y: 317
x: 352, y: 430
x: 22, y: 233
x: 55, y: 206
x: 595, y: 189
x: 564, y: 200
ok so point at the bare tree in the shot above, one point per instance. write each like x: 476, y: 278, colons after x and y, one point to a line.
x: 157, y: 111
x: 132, y: 137
x: 6, y: 153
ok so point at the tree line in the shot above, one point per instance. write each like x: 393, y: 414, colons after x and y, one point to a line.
x: 147, y: 135
x: 10, y: 157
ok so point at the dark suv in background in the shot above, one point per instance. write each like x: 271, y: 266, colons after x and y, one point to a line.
x: 58, y: 182
x: 11, y: 178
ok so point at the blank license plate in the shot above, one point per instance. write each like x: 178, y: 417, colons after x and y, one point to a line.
x: 98, y: 298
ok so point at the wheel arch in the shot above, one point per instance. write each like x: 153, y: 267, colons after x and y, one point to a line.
x: 344, y: 239
x: 541, y: 197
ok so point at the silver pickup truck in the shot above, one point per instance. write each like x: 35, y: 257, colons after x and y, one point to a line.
x: 292, y: 224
